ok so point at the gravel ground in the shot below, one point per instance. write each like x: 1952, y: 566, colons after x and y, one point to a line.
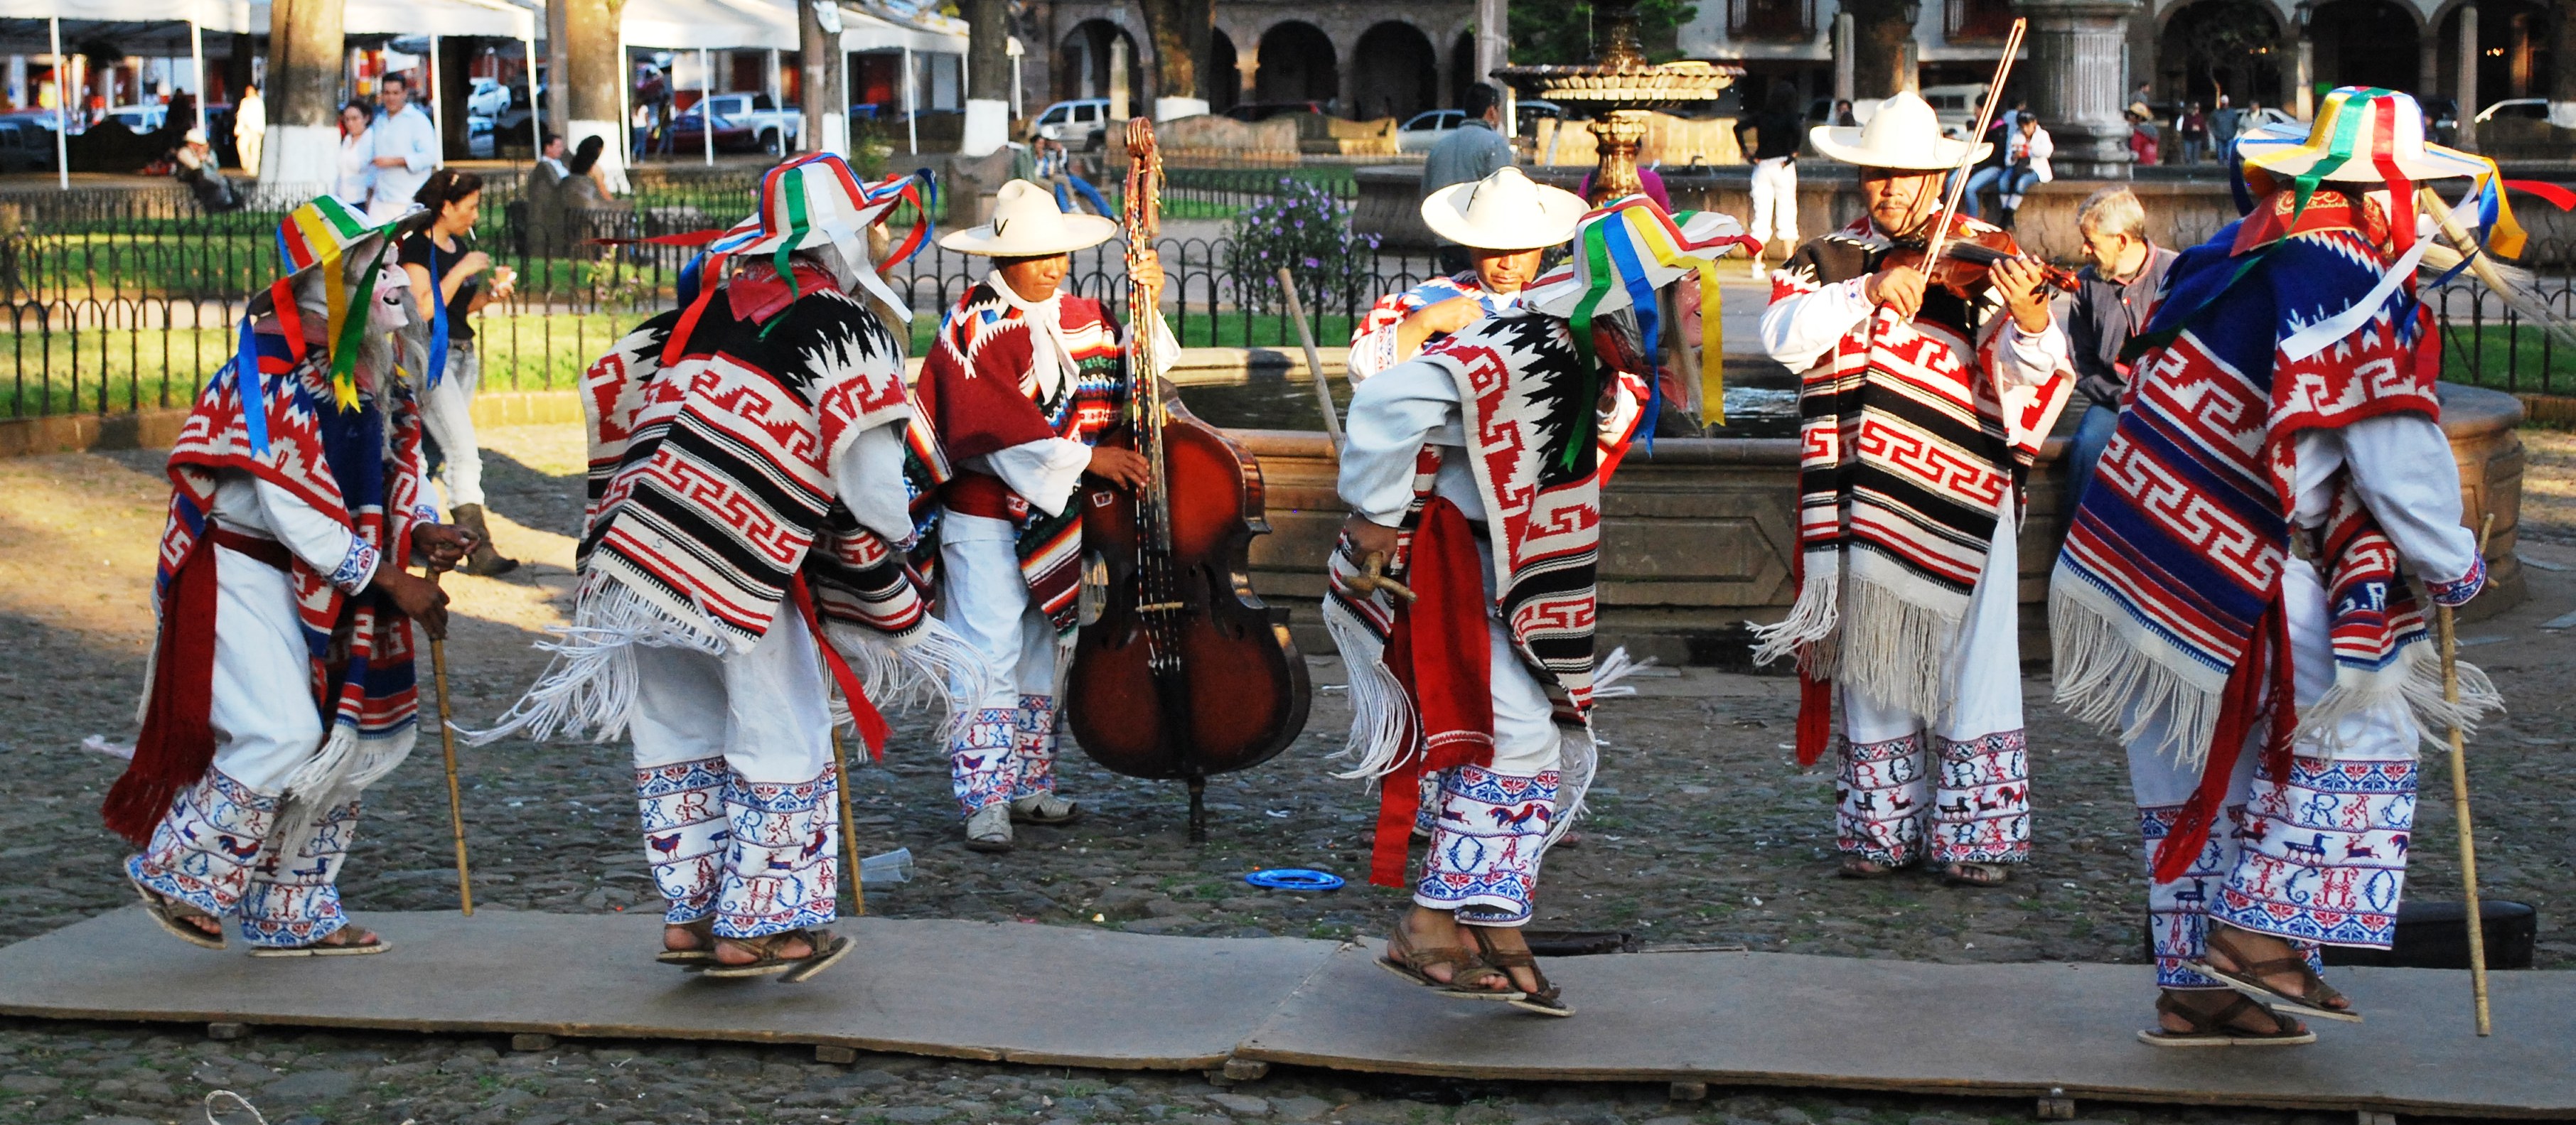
x: 1703, y: 832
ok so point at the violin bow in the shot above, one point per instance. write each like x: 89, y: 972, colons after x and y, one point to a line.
x: 1985, y: 119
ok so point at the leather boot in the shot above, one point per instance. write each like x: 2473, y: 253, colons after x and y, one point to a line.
x: 482, y: 561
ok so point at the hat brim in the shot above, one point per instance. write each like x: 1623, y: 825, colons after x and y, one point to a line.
x: 1842, y: 142
x: 2295, y: 158
x: 1071, y: 232
x: 1559, y: 212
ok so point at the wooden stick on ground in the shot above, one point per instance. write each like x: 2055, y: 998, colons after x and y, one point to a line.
x: 1314, y: 362
x: 2460, y: 802
x: 849, y: 826
x: 447, y: 741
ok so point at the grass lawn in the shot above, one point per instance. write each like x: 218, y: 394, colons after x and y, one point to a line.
x: 2520, y: 359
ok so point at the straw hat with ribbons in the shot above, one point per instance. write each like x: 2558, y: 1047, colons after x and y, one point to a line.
x: 316, y: 235
x: 809, y: 203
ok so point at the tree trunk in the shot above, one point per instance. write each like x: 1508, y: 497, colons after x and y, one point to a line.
x: 305, y: 49
x: 988, y: 77
x: 2562, y: 84
x: 819, y: 88
x: 1182, y: 31
x: 592, y: 80
x: 1883, y: 51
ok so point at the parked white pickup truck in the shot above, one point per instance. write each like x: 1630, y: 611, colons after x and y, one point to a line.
x: 777, y: 128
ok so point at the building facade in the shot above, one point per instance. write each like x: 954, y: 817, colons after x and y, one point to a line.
x: 1358, y: 60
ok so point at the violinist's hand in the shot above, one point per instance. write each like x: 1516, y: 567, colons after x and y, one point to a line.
x: 1149, y: 271
x: 2024, y: 289
x: 1898, y: 287
x: 1125, y: 468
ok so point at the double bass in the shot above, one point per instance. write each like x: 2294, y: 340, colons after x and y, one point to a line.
x: 1182, y: 672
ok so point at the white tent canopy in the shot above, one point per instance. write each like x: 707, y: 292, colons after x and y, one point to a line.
x: 421, y: 17
x: 208, y: 15
x: 867, y: 31
x: 717, y: 25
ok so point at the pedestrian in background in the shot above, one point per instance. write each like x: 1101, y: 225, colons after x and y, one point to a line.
x: 446, y: 278
x: 357, y: 167
x: 2117, y: 295
x: 2142, y: 134
x: 406, y: 152
x: 250, y: 129
x: 2194, y: 127
x: 2222, y: 128
x: 1471, y: 152
x: 1776, y: 136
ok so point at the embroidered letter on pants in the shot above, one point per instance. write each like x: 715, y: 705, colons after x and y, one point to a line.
x: 686, y: 834
x: 782, y: 873
x: 2324, y: 854
x: 1483, y: 860
x: 1035, y: 746
x: 1888, y: 802
x: 984, y: 759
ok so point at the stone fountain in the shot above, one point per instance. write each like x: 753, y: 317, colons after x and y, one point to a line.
x: 1619, y: 91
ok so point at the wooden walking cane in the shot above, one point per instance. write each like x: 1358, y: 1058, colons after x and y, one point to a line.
x: 1314, y: 362
x: 849, y: 824
x: 2460, y: 800
x: 447, y: 741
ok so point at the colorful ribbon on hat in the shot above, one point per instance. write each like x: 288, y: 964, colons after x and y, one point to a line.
x: 313, y: 236
x: 1615, y: 243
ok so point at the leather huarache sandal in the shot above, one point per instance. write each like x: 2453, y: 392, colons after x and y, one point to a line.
x: 359, y: 944
x: 1547, y: 999
x: 2216, y: 1027
x: 1976, y: 874
x: 1044, y: 808
x: 696, y: 956
x: 1412, y: 962
x: 173, y: 916
x: 827, y: 949
x: 1861, y: 867
x: 2247, y: 976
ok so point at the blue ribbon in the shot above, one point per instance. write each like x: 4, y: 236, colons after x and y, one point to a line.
x: 437, y: 331
x: 1641, y: 300
x: 254, y: 405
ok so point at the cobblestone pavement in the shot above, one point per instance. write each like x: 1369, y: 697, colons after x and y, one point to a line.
x: 1703, y: 832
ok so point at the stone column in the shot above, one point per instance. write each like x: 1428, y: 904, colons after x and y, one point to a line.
x: 1494, y: 52
x: 2074, y: 87
x: 2467, y: 96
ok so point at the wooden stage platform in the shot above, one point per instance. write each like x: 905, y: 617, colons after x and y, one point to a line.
x: 953, y: 989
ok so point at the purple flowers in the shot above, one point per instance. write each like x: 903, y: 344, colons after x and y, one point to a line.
x: 1305, y: 227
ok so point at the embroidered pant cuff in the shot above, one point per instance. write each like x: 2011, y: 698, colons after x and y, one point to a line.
x: 984, y: 760
x: 293, y: 897
x: 1484, y: 854
x: 782, y: 872
x: 1982, y: 813
x: 203, y: 851
x: 1880, y: 799
x: 1035, y: 742
x: 2324, y: 852
x: 686, y: 833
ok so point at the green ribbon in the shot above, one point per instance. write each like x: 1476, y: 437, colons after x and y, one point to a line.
x: 1596, y: 255
x: 797, y: 223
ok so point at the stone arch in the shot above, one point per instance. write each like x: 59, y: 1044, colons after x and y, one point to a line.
x: 1082, y: 64
x: 1225, y: 72
x: 2368, y: 43
x: 2515, y: 56
x: 1297, y: 63
x: 2209, y: 47
x: 1395, y: 72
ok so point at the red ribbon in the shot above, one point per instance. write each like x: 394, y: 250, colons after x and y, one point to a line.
x: 2563, y: 198
x: 178, y: 740
x: 863, y: 714
x: 1440, y: 652
x: 2259, y: 688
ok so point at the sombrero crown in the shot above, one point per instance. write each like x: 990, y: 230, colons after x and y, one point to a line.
x: 2361, y: 135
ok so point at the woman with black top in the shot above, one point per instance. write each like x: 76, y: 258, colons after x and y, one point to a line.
x: 446, y: 278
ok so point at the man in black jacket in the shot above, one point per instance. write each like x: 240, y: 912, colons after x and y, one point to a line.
x: 2119, y: 294
x: 1776, y: 132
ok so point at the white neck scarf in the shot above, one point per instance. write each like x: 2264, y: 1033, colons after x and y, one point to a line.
x: 1051, y: 364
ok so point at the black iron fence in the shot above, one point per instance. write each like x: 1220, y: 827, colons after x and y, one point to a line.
x: 120, y: 301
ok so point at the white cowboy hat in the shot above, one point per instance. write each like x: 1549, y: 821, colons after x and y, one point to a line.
x: 1503, y: 211
x: 1027, y: 224
x: 2372, y: 126
x: 1904, y: 134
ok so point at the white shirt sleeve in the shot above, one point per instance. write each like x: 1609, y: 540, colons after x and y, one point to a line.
x: 1392, y: 416
x: 867, y: 473
x: 2403, y: 467
x: 420, y: 141
x: 1799, y: 330
x: 322, y: 542
x: 1371, y: 352
x: 2031, y: 357
x: 1044, y: 472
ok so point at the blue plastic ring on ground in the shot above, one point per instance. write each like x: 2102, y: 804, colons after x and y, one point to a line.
x: 1294, y: 879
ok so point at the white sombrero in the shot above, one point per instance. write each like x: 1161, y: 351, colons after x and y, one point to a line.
x: 1903, y: 134
x: 2361, y: 135
x: 1503, y: 211
x: 1027, y: 224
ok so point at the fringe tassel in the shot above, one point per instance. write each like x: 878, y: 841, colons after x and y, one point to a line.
x: 1578, y: 758
x: 1811, y: 618
x: 1608, y: 676
x: 590, y: 685
x: 1382, y: 719
x: 1892, y: 648
x: 931, y: 667
x: 2415, y: 683
x: 2106, y: 682
x: 346, y: 766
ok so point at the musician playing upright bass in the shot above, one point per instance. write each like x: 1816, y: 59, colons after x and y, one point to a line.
x: 1018, y: 387
x: 1921, y: 410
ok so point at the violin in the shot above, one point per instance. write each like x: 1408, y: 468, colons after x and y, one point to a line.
x: 1967, y: 260
x: 1183, y: 672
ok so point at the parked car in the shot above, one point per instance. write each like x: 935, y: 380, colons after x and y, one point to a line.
x: 26, y: 146
x: 1080, y: 123
x: 688, y: 129
x: 1955, y: 106
x: 140, y: 118
x: 1530, y: 111
x: 777, y: 129
x: 1264, y: 111
x: 1423, y: 130
x: 478, y: 137
x: 487, y: 98
x: 2533, y: 109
